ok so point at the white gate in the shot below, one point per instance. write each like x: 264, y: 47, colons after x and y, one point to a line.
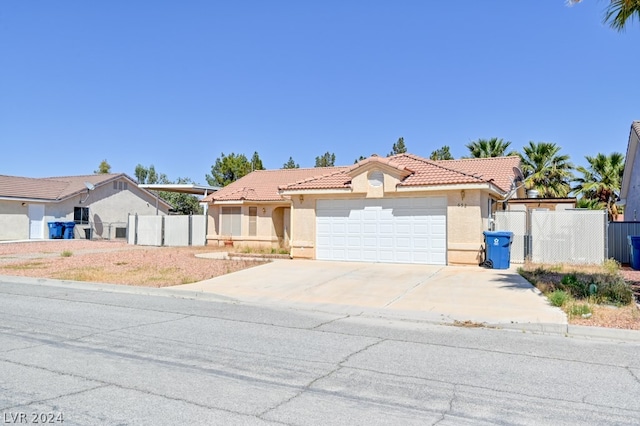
x: 171, y: 231
x: 566, y: 236
x: 516, y: 222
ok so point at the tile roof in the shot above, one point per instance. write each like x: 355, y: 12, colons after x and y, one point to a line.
x: 424, y: 172
x: 52, y: 188
x: 264, y: 185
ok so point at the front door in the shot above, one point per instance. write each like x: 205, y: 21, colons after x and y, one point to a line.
x: 36, y: 221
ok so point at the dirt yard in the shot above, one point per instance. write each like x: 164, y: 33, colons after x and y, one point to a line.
x: 113, y: 262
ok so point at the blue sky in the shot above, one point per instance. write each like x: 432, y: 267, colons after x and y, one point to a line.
x: 176, y: 83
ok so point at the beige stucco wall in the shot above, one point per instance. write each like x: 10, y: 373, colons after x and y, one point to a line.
x: 269, y: 226
x: 467, y: 218
x: 14, y: 220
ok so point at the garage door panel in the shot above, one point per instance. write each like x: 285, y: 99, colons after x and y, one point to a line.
x: 406, y: 230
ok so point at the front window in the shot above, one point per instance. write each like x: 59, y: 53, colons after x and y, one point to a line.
x: 230, y: 221
x: 81, y: 215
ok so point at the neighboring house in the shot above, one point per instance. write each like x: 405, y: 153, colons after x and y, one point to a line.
x: 99, y: 203
x: 552, y: 204
x: 403, y: 208
x: 630, y: 190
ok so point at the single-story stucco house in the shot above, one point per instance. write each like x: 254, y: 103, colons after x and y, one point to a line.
x: 402, y: 208
x: 630, y: 189
x: 98, y: 204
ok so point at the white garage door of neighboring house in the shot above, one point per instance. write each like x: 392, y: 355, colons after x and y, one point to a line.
x: 401, y: 230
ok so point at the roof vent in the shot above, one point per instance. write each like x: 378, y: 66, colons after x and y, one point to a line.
x: 532, y: 193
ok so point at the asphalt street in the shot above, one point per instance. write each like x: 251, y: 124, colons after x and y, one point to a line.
x: 74, y: 355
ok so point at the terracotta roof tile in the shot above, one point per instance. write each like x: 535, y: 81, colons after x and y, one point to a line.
x: 264, y: 185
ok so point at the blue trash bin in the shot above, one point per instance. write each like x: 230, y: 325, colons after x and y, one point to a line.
x: 55, y: 230
x: 498, y: 249
x: 68, y: 230
x: 634, y: 251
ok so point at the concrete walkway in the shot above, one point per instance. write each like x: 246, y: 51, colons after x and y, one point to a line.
x: 436, y: 293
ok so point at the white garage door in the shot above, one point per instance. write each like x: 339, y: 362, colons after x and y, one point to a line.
x: 402, y: 230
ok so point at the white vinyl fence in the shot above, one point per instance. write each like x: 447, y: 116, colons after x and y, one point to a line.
x: 173, y: 231
x: 567, y: 236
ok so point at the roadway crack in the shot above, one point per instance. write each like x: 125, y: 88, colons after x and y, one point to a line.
x: 329, y: 322
x: 454, y: 395
x: 634, y: 375
x: 308, y: 386
x: 104, y: 383
x: 43, y: 401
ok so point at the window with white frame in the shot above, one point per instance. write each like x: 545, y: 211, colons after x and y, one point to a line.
x: 230, y: 219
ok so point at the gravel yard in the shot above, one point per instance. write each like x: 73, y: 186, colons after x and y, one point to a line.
x: 113, y: 262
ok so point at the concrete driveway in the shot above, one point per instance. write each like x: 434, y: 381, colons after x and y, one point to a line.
x: 436, y: 293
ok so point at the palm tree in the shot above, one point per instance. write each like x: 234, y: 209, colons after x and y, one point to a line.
x: 618, y: 12
x: 545, y: 170
x: 485, y: 148
x: 601, y: 180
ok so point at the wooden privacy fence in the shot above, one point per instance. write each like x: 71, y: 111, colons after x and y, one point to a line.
x: 173, y: 231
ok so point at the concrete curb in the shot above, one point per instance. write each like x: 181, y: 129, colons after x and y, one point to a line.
x: 574, y: 331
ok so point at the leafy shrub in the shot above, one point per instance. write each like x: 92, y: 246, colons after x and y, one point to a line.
x: 579, y: 309
x: 66, y: 253
x: 578, y: 288
x: 616, y: 291
x: 611, y: 266
x: 558, y: 297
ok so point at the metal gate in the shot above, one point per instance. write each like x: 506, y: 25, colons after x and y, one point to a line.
x: 566, y: 236
x: 618, y: 243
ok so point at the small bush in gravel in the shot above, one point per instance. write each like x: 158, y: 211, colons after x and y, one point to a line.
x: 558, y: 297
x: 67, y: 253
x: 616, y: 291
x: 579, y: 310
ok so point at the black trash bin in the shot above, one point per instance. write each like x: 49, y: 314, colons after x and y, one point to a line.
x: 498, y: 249
x: 88, y: 233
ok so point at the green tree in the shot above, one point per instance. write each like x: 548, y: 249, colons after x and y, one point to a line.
x: 486, y: 148
x: 398, y: 148
x: 441, y: 154
x: 601, y: 181
x: 359, y: 159
x: 618, y: 12
x: 583, y: 203
x: 326, y: 160
x: 546, y: 170
x: 256, y: 162
x: 103, y: 169
x: 291, y: 164
x: 181, y: 203
x: 141, y: 173
x: 149, y: 175
x: 228, y: 169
